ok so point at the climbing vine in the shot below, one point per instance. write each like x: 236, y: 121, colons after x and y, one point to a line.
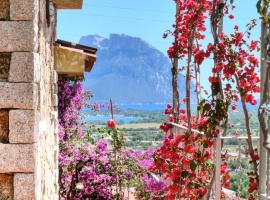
x: 186, y: 157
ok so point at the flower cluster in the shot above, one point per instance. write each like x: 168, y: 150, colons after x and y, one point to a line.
x: 185, y: 166
x: 97, y: 169
x: 190, y: 25
x: 84, y: 167
x: 225, y: 174
x: 186, y: 156
x: 149, y: 185
x: 237, y: 65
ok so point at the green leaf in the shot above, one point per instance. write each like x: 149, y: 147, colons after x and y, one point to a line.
x: 169, y: 166
x: 258, y: 5
x: 209, y: 163
x: 184, y: 174
x: 193, y: 165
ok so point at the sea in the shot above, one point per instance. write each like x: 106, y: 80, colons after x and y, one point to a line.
x: 127, y: 119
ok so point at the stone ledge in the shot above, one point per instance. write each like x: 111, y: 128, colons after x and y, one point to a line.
x: 17, y: 158
x: 23, y: 126
x: 24, y: 187
x: 24, y: 67
x: 18, y: 36
x: 18, y: 95
x: 23, y: 10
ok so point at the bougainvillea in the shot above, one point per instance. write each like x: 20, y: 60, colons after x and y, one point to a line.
x: 97, y: 168
x: 183, y: 167
x: 186, y: 155
x: 84, y: 167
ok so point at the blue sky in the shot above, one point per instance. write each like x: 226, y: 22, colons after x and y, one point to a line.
x: 147, y: 19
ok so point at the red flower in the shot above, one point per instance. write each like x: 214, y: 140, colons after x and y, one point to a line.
x: 191, y: 149
x: 171, y: 118
x: 253, y: 45
x: 111, y: 124
x: 214, y: 79
x: 231, y: 16
x: 186, y: 162
x: 169, y: 106
x: 253, y: 60
x: 255, y: 157
x: 250, y: 99
x: 238, y: 38
x: 171, y: 52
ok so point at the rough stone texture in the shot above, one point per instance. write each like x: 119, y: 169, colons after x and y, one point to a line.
x: 31, y: 89
x: 4, y: 9
x: 18, y: 95
x: 24, y: 67
x: 47, y: 142
x: 17, y: 158
x: 23, y: 126
x: 3, y: 126
x: 6, y: 187
x: 23, y: 10
x: 18, y: 36
x: 4, y: 65
x: 24, y: 187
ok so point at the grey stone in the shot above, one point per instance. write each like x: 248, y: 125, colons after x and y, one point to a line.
x: 18, y: 95
x: 24, y: 186
x: 24, y: 67
x: 18, y: 36
x: 23, y: 126
x: 23, y: 9
x: 17, y: 158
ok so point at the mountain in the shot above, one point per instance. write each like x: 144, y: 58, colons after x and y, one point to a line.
x: 129, y: 70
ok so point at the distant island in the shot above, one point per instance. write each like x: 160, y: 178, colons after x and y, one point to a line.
x: 129, y: 71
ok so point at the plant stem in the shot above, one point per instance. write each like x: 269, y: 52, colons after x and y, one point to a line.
x: 191, y: 40
x: 176, y: 103
x: 249, y: 134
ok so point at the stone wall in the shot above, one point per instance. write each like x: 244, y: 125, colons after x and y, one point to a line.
x: 28, y: 115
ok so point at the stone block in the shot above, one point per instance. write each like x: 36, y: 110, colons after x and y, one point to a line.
x: 6, y: 187
x: 4, y: 9
x: 18, y: 95
x: 55, y: 100
x: 55, y: 76
x: 24, y: 67
x: 4, y: 126
x: 18, y: 36
x: 24, y: 186
x: 5, y: 59
x: 23, y: 126
x: 23, y: 10
x: 17, y: 158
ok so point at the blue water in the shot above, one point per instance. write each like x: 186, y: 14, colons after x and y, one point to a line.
x: 149, y: 107
x: 104, y: 118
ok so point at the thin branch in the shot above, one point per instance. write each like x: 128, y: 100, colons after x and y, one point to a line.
x: 248, y: 129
